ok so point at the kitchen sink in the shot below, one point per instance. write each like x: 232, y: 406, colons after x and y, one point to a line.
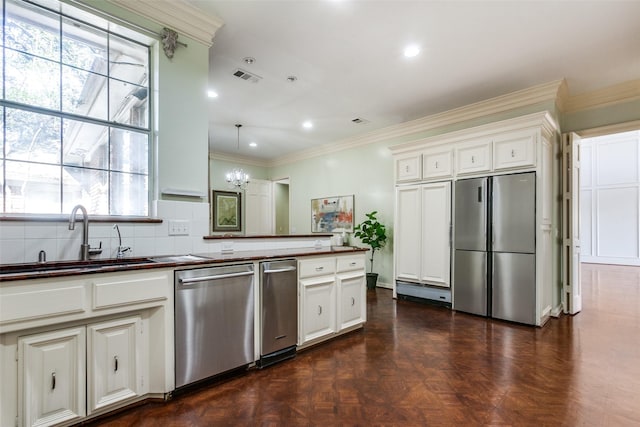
x: 180, y: 258
x: 71, y: 265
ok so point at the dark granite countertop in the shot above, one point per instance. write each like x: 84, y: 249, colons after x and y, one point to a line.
x: 75, y: 268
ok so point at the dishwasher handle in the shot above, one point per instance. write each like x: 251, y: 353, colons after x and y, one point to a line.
x: 214, y: 277
x: 279, y: 270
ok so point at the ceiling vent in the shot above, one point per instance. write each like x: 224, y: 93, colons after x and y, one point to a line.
x: 245, y: 75
x: 359, y: 120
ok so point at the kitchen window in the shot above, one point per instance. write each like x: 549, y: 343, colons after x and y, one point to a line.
x: 74, y: 112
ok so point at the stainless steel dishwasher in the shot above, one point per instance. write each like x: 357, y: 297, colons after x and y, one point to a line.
x: 278, y: 311
x: 214, y: 321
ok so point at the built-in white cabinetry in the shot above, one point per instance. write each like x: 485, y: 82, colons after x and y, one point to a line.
x: 473, y: 157
x: 332, y: 296
x: 514, y: 150
x: 259, y: 201
x: 422, y: 230
x: 77, y: 346
x: 408, y: 167
x: 112, y: 354
x: 51, y: 377
x: 437, y: 163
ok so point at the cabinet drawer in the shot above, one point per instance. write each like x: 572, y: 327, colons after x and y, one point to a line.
x: 128, y: 289
x: 316, y: 267
x: 514, y: 150
x: 34, y: 302
x: 474, y: 158
x: 349, y: 263
x: 408, y: 168
x: 437, y: 164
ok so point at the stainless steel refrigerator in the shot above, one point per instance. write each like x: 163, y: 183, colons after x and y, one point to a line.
x: 494, y: 247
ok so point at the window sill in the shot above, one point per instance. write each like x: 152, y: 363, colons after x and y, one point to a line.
x: 65, y: 218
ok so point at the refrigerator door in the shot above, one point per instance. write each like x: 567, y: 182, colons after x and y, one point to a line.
x: 513, y: 295
x: 514, y: 213
x: 470, y: 282
x: 471, y: 214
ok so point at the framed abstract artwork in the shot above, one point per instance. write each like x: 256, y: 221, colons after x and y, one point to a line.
x: 332, y: 214
x: 226, y: 207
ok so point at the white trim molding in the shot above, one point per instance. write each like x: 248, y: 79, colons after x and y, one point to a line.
x: 177, y: 15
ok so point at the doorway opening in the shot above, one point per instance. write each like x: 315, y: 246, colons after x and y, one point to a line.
x: 281, y: 206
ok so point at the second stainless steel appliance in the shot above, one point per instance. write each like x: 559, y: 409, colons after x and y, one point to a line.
x: 494, y: 257
x: 214, y: 321
x: 278, y: 310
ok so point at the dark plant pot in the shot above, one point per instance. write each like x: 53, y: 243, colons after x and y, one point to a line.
x: 372, y: 279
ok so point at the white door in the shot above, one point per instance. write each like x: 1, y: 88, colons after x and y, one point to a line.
x: 51, y: 377
x: 436, y: 231
x: 318, y: 304
x: 572, y: 288
x: 352, y: 308
x: 258, y: 208
x: 112, y: 362
x: 407, y: 233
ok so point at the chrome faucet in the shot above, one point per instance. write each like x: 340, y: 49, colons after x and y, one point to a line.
x: 85, y: 250
x: 121, y: 249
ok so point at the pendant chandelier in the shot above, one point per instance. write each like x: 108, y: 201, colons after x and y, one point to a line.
x: 237, y: 178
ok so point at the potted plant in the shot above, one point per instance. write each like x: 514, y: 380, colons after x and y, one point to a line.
x: 371, y: 232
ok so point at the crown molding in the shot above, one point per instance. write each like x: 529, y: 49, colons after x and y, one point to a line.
x: 177, y: 15
x: 616, y: 94
x: 533, y: 95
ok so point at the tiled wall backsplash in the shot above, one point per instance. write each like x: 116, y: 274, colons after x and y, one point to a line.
x: 21, y: 242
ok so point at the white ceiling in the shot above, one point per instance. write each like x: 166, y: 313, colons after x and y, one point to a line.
x: 347, y: 56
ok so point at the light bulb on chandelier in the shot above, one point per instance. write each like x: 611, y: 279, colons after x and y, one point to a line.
x: 237, y: 178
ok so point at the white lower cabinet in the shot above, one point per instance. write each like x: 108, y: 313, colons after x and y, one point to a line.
x: 318, y: 307
x: 66, y: 374
x: 113, y: 372
x: 51, y: 377
x: 332, y: 296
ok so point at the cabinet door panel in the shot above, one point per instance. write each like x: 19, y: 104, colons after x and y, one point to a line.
x: 112, y: 370
x: 318, y: 308
x: 351, y: 300
x: 436, y: 232
x: 51, y: 378
x: 407, y: 233
x: 515, y: 150
x: 474, y: 158
x: 437, y: 164
x: 408, y: 168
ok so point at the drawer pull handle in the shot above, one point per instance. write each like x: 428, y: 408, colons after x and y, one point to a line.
x: 53, y: 380
x: 352, y: 264
x: 319, y: 268
x: 473, y: 159
x: 513, y: 153
x: 319, y: 310
x: 115, y: 363
x: 353, y: 301
x: 436, y: 164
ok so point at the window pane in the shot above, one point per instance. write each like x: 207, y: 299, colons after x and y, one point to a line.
x: 128, y: 194
x: 85, y: 144
x: 33, y: 137
x: 33, y: 30
x: 128, y: 61
x: 84, y: 47
x: 128, y: 103
x: 87, y: 187
x: 32, y: 188
x: 32, y: 80
x: 129, y: 151
x: 84, y: 93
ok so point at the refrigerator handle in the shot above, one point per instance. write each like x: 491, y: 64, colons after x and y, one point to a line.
x: 479, y: 194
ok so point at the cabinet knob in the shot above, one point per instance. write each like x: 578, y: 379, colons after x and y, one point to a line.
x: 353, y: 301
x: 319, y: 310
x: 473, y: 159
x: 352, y: 264
x: 513, y: 153
x: 53, y: 380
x: 319, y: 268
x: 436, y: 164
x: 115, y: 363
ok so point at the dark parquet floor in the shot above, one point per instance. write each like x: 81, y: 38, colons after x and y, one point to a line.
x: 420, y: 365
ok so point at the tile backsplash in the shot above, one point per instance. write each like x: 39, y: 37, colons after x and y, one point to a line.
x: 21, y: 242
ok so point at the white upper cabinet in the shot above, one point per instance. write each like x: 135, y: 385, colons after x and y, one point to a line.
x: 408, y: 167
x: 514, y: 150
x: 473, y: 157
x: 437, y: 163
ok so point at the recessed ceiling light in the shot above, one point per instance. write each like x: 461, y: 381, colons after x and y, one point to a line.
x: 307, y: 124
x: 249, y: 60
x: 411, y: 51
x: 292, y: 79
x: 212, y: 94
x: 253, y: 145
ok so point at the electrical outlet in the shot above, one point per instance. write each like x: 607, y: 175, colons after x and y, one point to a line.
x: 178, y: 227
